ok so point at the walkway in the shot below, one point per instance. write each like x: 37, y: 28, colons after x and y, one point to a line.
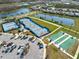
x: 76, y: 54
x: 44, y: 54
x: 52, y: 32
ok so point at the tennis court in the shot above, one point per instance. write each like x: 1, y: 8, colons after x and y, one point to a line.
x: 60, y: 20
x: 69, y: 43
x: 55, y: 36
x: 9, y: 26
x: 63, y: 40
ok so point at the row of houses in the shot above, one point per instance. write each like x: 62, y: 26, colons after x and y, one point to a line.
x: 66, y: 11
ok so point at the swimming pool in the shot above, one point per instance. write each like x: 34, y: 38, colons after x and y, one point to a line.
x: 9, y: 26
x: 34, y: 27
x: 60, y: 20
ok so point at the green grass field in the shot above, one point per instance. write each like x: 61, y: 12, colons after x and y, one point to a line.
x: 54, y: 53
x: 49, y: 26
x: 78, y: 56
x: 76, y: 19
x: 76, y: 27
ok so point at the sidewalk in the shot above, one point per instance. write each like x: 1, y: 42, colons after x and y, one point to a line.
x: 76, y: 54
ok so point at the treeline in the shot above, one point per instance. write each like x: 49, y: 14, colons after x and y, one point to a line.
x: 9, y: 8
x: 72, y: 6
x: 11, y: 1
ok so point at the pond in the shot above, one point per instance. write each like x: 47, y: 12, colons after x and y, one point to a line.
x: 15, y: 12
x: 60, y: 20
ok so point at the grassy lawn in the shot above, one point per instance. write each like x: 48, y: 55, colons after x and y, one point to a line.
x: 54, y: 53
x: 70, y: 32
x: 47, y: 25
x: 76, y: 27
x: 76, y: 19
x: 78, y: 56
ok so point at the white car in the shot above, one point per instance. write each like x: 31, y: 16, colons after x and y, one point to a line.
x: 20, y: 50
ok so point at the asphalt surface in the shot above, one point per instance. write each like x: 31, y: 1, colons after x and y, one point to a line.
x: 33, y: 53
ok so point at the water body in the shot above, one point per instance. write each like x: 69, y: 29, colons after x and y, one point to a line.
x: 35, y: 28
x: 60, y: 20
x: 15, y: 12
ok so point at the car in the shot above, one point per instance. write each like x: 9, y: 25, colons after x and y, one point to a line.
x: 20, y: 50
x: 0, y: 34
x: 12, y: 48
x: 9, y: 44
x: 6, y: 51
x: 19, y: 47
x: 40, y: 46
x: 12, y: 37
x: 25, y: 37
x: 22, y: 55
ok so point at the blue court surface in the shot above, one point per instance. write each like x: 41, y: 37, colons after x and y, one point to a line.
x: 68, y: 40
x: 9, y: 26
x: 64, y: 21
x: 16, y: 12
x: 34, y: 27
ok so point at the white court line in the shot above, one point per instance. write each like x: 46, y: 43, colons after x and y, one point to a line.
x: 76, y: 54
x: 66, y: 53
x: 52, y: 32
x: 59, y: 37
x: 56, y: 39
x: 64, y: 40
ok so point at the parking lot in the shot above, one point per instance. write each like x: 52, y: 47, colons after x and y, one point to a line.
x: 34, y: 52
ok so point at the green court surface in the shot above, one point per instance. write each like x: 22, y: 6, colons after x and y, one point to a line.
x: 55, y: 36
x: 65, y: 45
x: 61, y: 39
x: 69, y: 43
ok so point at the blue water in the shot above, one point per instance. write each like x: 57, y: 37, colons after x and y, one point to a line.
x: 14, y: 13
x: 9, y: 26
x: 60, y: 20
x: 35, y: 28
